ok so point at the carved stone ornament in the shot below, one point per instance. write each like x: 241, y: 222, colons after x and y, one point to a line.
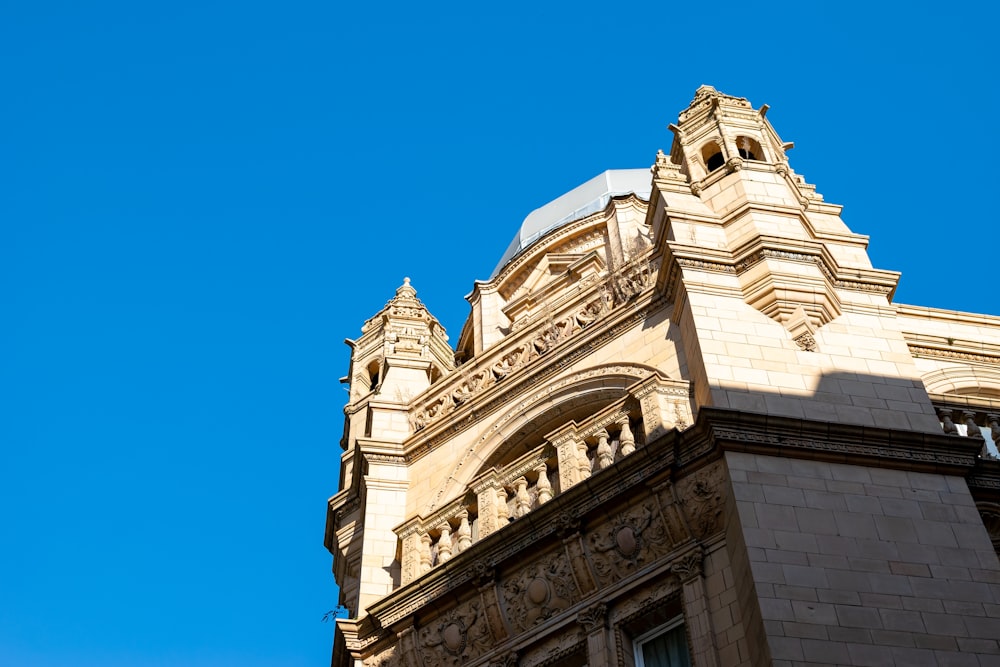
x: 459, y: 636
x: 806, y: 342
x: 506, y: 660
x: 539, y: 592
x: 688, y: 566
x: 593, y: 618
x: 566, y: 524
x: 701, y: 498
x: 627, y: 543
x: 483, y: 574
x: 386, y: 658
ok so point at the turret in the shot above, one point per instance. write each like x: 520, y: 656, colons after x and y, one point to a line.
x: 401, y: 352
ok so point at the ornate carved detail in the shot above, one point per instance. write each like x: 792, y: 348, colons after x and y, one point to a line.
x: 508, y: 659
x: 517, y: 410
x: 483, y: 573
x: 701, y: 499
x: 459, y: 636
x: 806, y: 342
x: 664, y: 169
x: 539, y: 591
x: 629, y: 542
x: 386, y: 658
x: 705, y: 265
x: 566, y: 524
x: 554, y: 649
x: 621, y: 287
x: 936, y: 352
x: 688, y: 566
x: 593, y: 617
x: 385, y: 458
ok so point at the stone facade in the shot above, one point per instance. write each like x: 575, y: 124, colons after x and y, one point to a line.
x: 699, y: 409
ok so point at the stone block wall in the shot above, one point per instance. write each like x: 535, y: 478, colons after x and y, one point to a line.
x: 855, y: 565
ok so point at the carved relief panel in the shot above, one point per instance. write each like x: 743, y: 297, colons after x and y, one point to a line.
x: 628, y: 542
x: 538, y: 592
x: 459, y: 636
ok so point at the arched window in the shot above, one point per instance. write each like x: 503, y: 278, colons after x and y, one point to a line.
x: 749, y: 148
x: 711, y: 153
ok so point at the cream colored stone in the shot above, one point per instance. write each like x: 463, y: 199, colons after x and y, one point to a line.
x: 734, y: 288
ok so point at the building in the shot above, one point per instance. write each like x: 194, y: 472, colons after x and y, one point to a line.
x: 685, y: 423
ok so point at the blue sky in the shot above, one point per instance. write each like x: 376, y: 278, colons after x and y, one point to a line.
x: 200, y: 201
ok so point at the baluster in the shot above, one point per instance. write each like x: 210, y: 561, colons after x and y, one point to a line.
x: 444, y: 543
x: 425, y: 553
x: 582, y: 460
x: 946, y: 423
x: 970, y: 423
x: 626, y: 438
x: 503, y: 512
x: 544, y: 486
x: 464, y: 533
x: 522, y: 501
x: 993, y: 421
x: 604, y: 455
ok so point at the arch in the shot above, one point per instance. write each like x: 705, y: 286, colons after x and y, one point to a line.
x: 711, y: 155
x: 539, y: 413
x: 749, y: 148
x: 963, y: 381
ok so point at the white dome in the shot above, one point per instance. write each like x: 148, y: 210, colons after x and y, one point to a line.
x: 578, y: 203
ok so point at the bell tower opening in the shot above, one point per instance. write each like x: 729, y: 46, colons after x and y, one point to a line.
x: 711, y: 154
x: 749, y: 148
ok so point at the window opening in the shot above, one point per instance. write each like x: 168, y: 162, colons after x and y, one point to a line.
x: 712, y: 155
x: 749, y: 149
x: 664, y: 646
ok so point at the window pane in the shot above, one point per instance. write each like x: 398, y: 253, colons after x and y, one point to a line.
x: 667, y: 650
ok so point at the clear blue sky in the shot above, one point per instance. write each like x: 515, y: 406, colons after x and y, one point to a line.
x: 200, y: 200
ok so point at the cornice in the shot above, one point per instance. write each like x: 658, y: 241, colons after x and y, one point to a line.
x: 763, y: 248
x: 841, y: 443
x: 951, y: 316
x: 989, y: 357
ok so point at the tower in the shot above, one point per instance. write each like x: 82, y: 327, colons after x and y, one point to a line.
x: 684, y: 423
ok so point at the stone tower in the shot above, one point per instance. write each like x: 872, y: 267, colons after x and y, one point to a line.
x: 684, y: 423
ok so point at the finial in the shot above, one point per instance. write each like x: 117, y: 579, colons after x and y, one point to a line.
x: 406, y: 289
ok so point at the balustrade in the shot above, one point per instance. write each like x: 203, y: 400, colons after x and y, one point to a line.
x: 971, y: 423
x: 502, y: 496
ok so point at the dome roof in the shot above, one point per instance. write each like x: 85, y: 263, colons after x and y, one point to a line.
x: 578, y: 203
